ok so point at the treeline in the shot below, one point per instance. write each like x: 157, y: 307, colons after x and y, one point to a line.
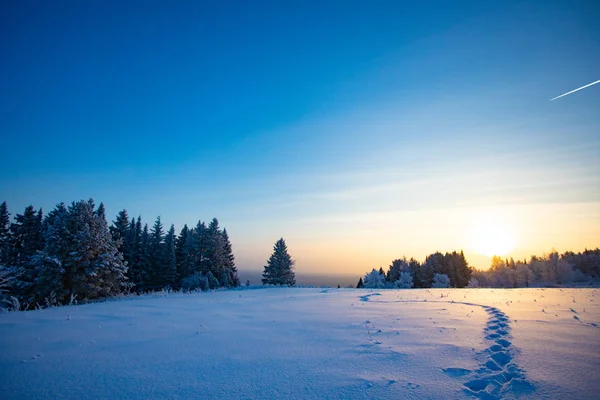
x: 547, y: 270
x: 438, y: 270
x: 72, y: 253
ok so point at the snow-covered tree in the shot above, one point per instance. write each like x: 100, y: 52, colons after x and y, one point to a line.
x: 405, y: 281
x: 524, y: 275
x: 93, y: 266
x: 195, y: 281
x: 156, y: 254
x: 229, y: 261
x: 278, y: 270
x: 169, y: 270
x: 213, y: 283
x: 441, y: 281
x: 143, y: 268
x: 181, y: 253
x: 25, y: 241
x: 4, y: 234
x: 374, y: 280
x: 474, y: 283
x: 120, y: 232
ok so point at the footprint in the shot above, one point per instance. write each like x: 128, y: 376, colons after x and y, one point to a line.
x: 477, y: 385
x: 492, y: 366
x: 412, y: 386
x: 496, y: 348
x: 501, y: 358
x: 456, y: 372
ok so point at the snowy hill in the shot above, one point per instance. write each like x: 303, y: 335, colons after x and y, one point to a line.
x: 309, y: 343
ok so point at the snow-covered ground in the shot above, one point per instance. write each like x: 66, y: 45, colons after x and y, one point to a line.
x: 309, y: 343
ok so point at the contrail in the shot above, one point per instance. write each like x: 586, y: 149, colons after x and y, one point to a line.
x: 576, y: 90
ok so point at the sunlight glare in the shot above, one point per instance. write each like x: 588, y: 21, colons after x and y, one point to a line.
x: 492, y: 236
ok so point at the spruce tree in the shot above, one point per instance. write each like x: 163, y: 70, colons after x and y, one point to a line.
x: 49, y: 288
x: 229, y: 260
x: 156, y: 254
x: 120, y: 231
x: 197, y: 250
x: 25, y: 242
x: 169, y: 268
x: 360, y: 283
x: 181, y: 253
x: 214, y: 249
x: 4, y: 235
x: 278, y: 270
x: 93, y: 267
x: 144, y: 272
x: 25, y: 236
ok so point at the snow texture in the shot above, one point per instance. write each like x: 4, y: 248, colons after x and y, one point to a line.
x: 309, y: 343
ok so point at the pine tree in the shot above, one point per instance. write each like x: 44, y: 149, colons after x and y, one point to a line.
x: 197, y: 250
x: 360, y: 283
x: 4, y: 235
x: 169, y: 268
x: 156, y: 253
x: 278, y: 270
x: 229, y: 260
x: 26, y: 236
x: 49, y: 288
x: 374, y: 279
x: 214, y: 249
x: 101, y: 211
x: 25, y: 241
x: 120, y: 231
x: 93, y: 267
x: 143, y: 268
x: 181, y: 253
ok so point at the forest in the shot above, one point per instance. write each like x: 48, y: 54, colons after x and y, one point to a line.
x: 452, y: 270
x: 72, y: 254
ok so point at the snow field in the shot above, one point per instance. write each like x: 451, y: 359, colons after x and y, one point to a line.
x: 309, y: 343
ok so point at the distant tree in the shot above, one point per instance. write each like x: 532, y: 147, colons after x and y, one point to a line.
x: 278, y: 270
x: 524, y: 275
x: 360, y: 283
x: 474, y: 283
x: 405, y: 281
x: 395, y: 269
x: 374, y: 280
x: 441, y: 281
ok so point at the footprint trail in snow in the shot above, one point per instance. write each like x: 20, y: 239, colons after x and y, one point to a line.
x: 498, y: 375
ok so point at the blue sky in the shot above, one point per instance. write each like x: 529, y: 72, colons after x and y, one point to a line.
x: 308, y: 119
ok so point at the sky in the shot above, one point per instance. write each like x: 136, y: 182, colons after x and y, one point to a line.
x: 360, y: 131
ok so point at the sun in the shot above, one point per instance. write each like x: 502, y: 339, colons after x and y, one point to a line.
x: 491, y: 236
